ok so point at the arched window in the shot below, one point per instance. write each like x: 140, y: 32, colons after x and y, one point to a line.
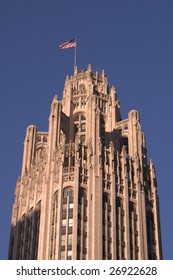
x: 124, y: 142
x: 82, y: 89
x: 38, y: 138
x: 68, y: 192
x: 45, y: 139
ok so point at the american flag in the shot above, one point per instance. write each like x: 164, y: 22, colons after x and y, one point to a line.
x: 67, y: 45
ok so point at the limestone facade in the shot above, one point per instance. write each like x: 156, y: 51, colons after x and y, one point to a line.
x: 86, y: 189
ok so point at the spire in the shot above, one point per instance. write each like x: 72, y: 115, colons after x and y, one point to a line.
x: 152, y: 169
x: 89, y: 68
x: 75, y: 70
x: 55, y: 97
x: 103, y: 73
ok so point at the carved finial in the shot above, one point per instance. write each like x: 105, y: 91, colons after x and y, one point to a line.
x: 89, y: 67
x: 113, y: 89
x: 123, y: 150
x: 151, y: 164
x: 152, y: 169
x: 75, y: 70
x: 111, y: 145
x: 103, y: 73
x: 117, y: 103
x: 55, y: 98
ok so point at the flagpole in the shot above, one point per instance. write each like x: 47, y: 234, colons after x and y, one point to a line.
x: 75, y: 55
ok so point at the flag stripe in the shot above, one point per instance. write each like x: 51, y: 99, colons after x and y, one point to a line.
x: 67, y: 45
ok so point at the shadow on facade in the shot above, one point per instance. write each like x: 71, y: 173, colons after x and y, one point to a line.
x: 25, y: 235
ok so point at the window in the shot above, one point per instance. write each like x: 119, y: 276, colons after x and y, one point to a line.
x: 64, y: 206
x: 76, y: 119
x: 68, y: 191
x: 67, y: 223
x: 80, y: 125
x: 62, y: 255
x: 124, y: 142
x: 120, y: 229
x: 70, y: 205
x: 83, y: 127
x: 107, y: 245
x: 70, y: 222
x: 63, y: 239
x: 69, y: 239
x: 82, y: 89
x: 82, y: 224
x: 38, y: 139
x: 69, y: 254
x: 82, y: 139
x: 45, y: 139
x: 83, y: 118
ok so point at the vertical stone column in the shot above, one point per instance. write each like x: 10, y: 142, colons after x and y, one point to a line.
x: 113, y: 201
x: 139, y: 209
x: 143, y: 206
x: 60, y: 199
x: 29, y: 148
x: 126, y: 203
x: 90, y: 202
x: 75, y: 209
x: 156, y: 211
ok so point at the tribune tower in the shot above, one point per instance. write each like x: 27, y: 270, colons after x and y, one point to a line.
x: 86, y: 189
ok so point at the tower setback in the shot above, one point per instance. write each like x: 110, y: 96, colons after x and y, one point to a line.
x: 86, y: 189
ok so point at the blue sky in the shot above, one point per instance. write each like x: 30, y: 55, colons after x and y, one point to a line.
x: 131, y: 40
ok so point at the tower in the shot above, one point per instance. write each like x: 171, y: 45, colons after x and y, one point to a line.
x: 86, y: 189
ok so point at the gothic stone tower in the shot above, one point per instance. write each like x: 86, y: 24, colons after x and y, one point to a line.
x: 86, y: 190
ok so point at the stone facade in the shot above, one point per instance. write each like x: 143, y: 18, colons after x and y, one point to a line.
x: 86, y: 189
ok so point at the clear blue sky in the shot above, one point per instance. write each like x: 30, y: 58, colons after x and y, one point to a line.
x: 131, y: 40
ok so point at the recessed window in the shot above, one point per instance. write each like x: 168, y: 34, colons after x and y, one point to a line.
x: 63, y: 239
x: 83, y: 127
x: 62, y: 255
x: 83, y: 118
x: 70, y: 222
x: 38, y: 139
x: 82, y: 139
x: 71, y: 205
x: 76, y: 128
x: 45, y: 139
x: 76, y: 119
x: 64, y: 206
x: 79, y: 124
x: 69, y: 239
x: 68, y: 192
x: 69, y: 253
